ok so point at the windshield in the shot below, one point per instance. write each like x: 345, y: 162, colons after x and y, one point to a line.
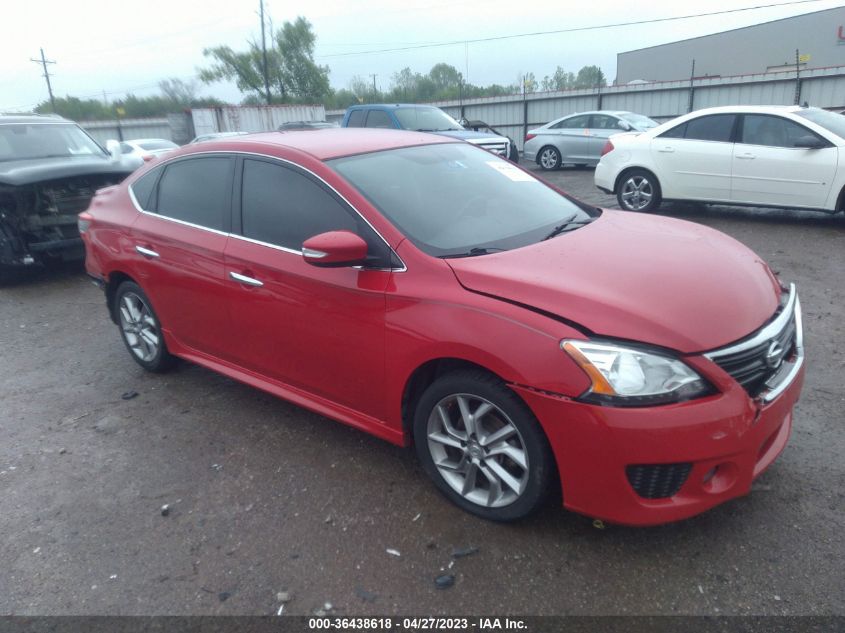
x: 451, y: 198
x: 154, y: 145
x: 828, y: 120
x: 23, y: 141
x: 426, y: 120
x: 639, y: 121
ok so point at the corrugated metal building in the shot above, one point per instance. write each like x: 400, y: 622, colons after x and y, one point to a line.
x: 252, y: 118
x: 819, y: 37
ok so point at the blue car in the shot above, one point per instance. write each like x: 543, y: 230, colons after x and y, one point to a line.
x: 422, y: 118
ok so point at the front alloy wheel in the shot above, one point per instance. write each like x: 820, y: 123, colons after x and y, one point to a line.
x: 482, y: 446
x: 477, y: 450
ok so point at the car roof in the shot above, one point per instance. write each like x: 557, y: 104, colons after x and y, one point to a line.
x: 146, y: 140
x: 327, y: 143
x: 755, y: 109
x: 391, y: 106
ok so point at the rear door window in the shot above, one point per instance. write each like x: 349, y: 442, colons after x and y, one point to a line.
x: 380, y: 119
x: 716, y: 127
x: 573, y: 122
x: 356, y: 118
x: 198, y: 191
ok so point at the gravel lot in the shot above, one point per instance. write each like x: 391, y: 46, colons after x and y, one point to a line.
x: 267, y: 498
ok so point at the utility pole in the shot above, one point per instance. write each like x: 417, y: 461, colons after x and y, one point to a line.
x: 264, y: 56
x: 797, y: 77
x: 44, y: 61
x: 375, y: 91
x: 691, y: 87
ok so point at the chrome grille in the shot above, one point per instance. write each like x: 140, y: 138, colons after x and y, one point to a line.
x: 765, y: 362
x: 497, y: 147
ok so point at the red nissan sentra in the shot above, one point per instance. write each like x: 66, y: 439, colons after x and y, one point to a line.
x: 433, y: 294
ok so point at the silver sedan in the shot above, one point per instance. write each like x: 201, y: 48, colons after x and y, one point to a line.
x: 578, y: 139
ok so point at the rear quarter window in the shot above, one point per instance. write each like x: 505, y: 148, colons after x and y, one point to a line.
x: 143, y: 188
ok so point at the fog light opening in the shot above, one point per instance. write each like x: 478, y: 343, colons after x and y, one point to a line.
x: 719, y: 478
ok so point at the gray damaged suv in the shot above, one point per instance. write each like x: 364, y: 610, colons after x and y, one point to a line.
x: 50, y: 169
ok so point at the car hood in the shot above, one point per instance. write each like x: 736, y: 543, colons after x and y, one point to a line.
x: 469, y: 135
x: 656, y: 280
x: 26, y: 172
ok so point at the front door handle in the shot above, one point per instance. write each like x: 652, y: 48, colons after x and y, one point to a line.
x: 666, y: 150
x: 243, y: 279
x: 146, y: 252
x: 746, y: 156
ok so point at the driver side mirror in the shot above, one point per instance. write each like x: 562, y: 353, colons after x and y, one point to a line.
x: 808, y: 141
x: 335, y: 249
x: 113, y: 148
x: 623, y: 125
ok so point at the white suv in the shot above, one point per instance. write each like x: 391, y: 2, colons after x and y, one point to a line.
x: 772, y: 156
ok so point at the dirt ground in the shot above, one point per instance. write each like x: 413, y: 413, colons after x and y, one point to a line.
x: 271, y: 505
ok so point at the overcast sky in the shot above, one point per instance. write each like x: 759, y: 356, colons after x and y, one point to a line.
x: 121, y: 47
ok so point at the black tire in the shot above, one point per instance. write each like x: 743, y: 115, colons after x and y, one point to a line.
x: 550, y: 162
x: 528, y: 443
x: 638, y: 190
x: 513, y: 154
x: 157, y: 358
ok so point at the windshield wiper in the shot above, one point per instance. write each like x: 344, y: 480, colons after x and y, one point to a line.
x: 423, y: 129
x: 473, y: 252
x: 569, y: 225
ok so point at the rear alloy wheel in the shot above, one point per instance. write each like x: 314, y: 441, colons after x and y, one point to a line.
x: 549, y: 158
x: 638, y: 191
x: 140, y: 328
x: 482, y: 446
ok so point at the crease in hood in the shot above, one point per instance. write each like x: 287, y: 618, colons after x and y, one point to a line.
x: 651, y: 279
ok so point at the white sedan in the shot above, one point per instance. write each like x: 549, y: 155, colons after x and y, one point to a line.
x: 771, y: 156
x: 147, y: 148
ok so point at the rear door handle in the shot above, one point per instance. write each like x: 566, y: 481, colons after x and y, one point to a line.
x: 243, y: 279
x: 146, y: 252
x: 746, y: 156
x: 666, y: 150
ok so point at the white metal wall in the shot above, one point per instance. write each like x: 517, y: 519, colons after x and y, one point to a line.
x: 127, y: 129
x: 252, y: 118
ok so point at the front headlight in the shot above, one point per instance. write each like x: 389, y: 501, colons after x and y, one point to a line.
x: 628, y: 376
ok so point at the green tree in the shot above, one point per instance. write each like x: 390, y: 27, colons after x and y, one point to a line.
x: 76, y: 109
x: 446, y: 79
x: 590, y: 77
x: 291, y: 71
x: 561, y: 80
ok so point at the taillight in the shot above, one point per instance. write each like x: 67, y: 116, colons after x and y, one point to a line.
x: 608, y: 147
x: 83, y: 221
x: 528, y: 137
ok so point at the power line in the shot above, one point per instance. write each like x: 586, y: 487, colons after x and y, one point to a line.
x: 569, y: 30
x: 44, y: 61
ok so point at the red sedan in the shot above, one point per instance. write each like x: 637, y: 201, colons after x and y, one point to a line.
x: 433, y: 294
